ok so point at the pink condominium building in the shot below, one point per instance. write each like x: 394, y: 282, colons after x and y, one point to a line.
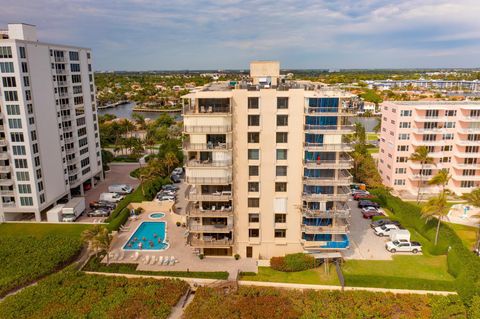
x: 451, y: 131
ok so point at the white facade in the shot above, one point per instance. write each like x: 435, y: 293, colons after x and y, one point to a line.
x: 49, y: 138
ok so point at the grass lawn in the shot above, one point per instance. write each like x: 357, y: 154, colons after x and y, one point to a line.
x: 372, y: 136
x: 315, y: 276
x: 468, y: 234
x: 30, y: 251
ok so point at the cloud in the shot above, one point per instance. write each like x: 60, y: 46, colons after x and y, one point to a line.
x: 199, y: 34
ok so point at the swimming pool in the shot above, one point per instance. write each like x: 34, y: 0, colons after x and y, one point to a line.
x: 157, y: 215
x: 148, y: 236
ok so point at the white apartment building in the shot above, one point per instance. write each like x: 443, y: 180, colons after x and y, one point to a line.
x: 267, y: 166
x: 450, y: 130
x: 49, y: 137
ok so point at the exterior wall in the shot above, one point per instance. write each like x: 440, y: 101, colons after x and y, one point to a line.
x: 450, y: 154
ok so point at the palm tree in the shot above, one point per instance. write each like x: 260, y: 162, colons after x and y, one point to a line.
x: 436, y: 207
x: 473, y: 198
x: 171, y: 161
x: 441, y: 178
x: 378, y: 126
x: 103, y: 241
x: 421, y: 156
x: 89, y: 236
x: 359, y: 133
x: 153, y: 169
x: 140, y: 119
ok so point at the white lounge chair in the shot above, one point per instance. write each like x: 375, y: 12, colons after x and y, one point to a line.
x: 160, y: 260
x: 121, y: 256
x: 172, y: 261
x: 146, y: 260
x: 166, y: 261
x: 153, y: 260
x: 136, y: 256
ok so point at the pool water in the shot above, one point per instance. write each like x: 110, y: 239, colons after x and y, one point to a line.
x: 157, y: 215
x: 151, y: 236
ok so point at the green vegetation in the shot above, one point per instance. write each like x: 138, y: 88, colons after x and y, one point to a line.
x: 293, y: 262
x: 71, y: 294
x: 315, y: 276
x: 403, y: 272
x: 271, y: 303
x: 95, y: 265
x: 30, y: 251
x: 467, y: 234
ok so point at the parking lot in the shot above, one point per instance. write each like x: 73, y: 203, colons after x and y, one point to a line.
x: 118, y: 174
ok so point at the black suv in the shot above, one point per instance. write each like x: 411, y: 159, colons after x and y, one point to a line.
x: 367, y: 203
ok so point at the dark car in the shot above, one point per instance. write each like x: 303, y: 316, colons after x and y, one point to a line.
x: 170, y: 187
x: 366, y: 203
x: 384, y: 221
x: 175, y: 178
x: 102, y: 205
x: 359, y: 196
x: 98, y: 213
x: 371, y: 213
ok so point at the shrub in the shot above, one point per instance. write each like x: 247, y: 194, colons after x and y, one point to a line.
x: 293, y: 262
x: 236, y: 256
x: 201, y: 256
x: 119, y: 220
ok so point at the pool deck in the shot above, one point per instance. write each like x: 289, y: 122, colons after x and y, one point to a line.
x: 178, y: 247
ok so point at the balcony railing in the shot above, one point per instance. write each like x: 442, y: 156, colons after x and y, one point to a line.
x: 4, y: 156
x: 342, y: 163
x: 8, y: 204
x: 206, y: 146
x: 344, y: 147
x: 222, y: 228
x: 210, y: 197
x: 7, y: 193
x: 466, y: 178
x: 340, y: 111
x: 326, y: 197
x: 211, y: 242
x: 66, y: 117
x: 343, y: 179
x: 337, y: 229
x: 466, y: 155
x: 207, y: 129
x: 6, y: 182
x: 420, y: 177
x: 61, y: 71
x: 327, y: 245
x: 2, y: 127
x: 70, y: 150
x: 207, y: 110
x: 329, y: 128
x: 197, y: 163
x: 209, y: 180
x: 59, y: 59
x: 63, y: 94
x: 64, y: 106
x: 5, y: 169
x: 433, y: 130
x: 62, y: 83
x: 3, y: 142
x: 338, y: 213
x: 467, y: 130
x: 197, y: 212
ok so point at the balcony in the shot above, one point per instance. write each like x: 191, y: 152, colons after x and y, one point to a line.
x: 3, y: 142
x: 187, y: 146
x: 59, y: 59
x: 468, y: 130
x: 62, y: 83
x: 66, y: 117
x: 208, y: 163
x: 326, y: 129
x: 209, y: 180
x: 207, y: 110
x: 466, y: 177
x: 466, y: 166
x: 329, y: 164
x: 199, y: 212
x: 63, y: 94
x: 420, y: 118
x: 342, y: 197
x: 5, y: 169
x: 8, y: 204
x: 344, y: 212
x: 343, y: 179
x: 215, y: 228
x: 417, y: 177
x: 433, y: 130
x: 207, y: 129
x: 330, y: 111
x: 327, y: 245
x: 64, y: 106
x: 223, y: 196
x: 6, y: 182
x: 459, y: 154
x: 331, y: 229
x: 61, y: 71
x: 344, y: 147
x: 416, y: 142
x: 470, y: 119
x: 10, y: 193
x: 4, y: 156
x: 70, y: 150
x: 2, y: 128
x: 69, y: 140
x: 211, y: 243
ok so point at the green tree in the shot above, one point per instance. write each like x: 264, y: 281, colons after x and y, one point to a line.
x: 170, y: 161
x: 473, y: 198
x: 436, y: 207
x: 378, y: 126
x: 441, y: 178
x: 140, y: 120
x: 421, y: 155
x: 359, y: 133
x: 98, y: 238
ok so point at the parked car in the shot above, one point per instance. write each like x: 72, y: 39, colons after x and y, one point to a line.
x: 360, y: 196
x: 369, y: 209
x: 111, y: 197
x: 385, y: 230
x: 407, y: 246
x: 170, y: 187
x: 175, y: 178
x: 359, y: 191
x: 366, y: 203
x: 383, y: 221
x: 98, y: 213
x: 166, y: 197
x: 177, y: 171
x: 103, y: 205
x: 371, y: 214
x: 120, y: 189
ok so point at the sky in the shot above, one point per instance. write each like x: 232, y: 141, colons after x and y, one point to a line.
x: 228, y: 34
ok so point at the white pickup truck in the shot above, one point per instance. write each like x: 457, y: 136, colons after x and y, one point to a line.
x: 385, y: 229
x: 403, y: 246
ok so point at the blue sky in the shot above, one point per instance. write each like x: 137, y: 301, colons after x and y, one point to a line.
x: 203, y: 34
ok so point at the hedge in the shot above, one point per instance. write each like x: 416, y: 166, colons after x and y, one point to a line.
x: 462, y: 263
x: 397, y: 282
x: 73, y: 294
x: 95, y: 265
x: 293, y: 262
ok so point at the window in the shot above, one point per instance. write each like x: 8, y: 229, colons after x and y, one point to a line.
x: 42, y: 198
x: 33, y: 135
x: 35, y: 148
x: 5, y: 52
x: 471, y: 149
x: 280, y: 233
x: 402, y: 159
x: 281, y: 171
x: 38, y: 172
x: 280, y: 187
x: 253, y: 171
x: 6, y: 67
x: 402, y: 148
x: 24, y: 189
x: 10, y: 96
x: 40, y: 186
x: 282, y: 120
x: 76, y: 78
x: 449, y: 124
x: 400, y: 170
x: 473, y: 137
x: 23, y: 53
x: 405, y: 124
x: 253, y: 137
x: 18, y: 150
x: 254, y: 120
x: 450, y: 112
x: 254, y: 202
x: 28, y: 95
x: 429, y: 137
x: 468, y: 172
x: 399, y: 182
x: 280, y: 218
x: 253, y: 187
x: 26, y: 81
x: 447, y: 148
x: 282, y: 102
x: 73, y: 56
x: 77, y: 89
x: 9, y: 82
x: 21, y: 163
x: 26, y: 201
x: 88, y: 55
x: 253, y: 154
x: 78, y: 100
x: 465, y: 184
x: 253, y: 103
x: 254, y: 233
x: 281, y: 154
x: 253, y: 218
x: 403, y: 136
x: 23, y: 176
x: 75, y: 67
x: 282, y: 137
x: 406, y: 113
x: 17, y: 137
x: 24, y: 67
x: 13, y: 110
x: 448, y: 136
x: 432, y: 113
x: 15, y: 123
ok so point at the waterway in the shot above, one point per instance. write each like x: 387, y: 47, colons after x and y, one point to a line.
x: 125, y: 111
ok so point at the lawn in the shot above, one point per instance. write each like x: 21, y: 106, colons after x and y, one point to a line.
x: 372, y: 137
x: 315, y: 276
x: 467, y: 234
x: 72, y: 294
x: 30, y: 251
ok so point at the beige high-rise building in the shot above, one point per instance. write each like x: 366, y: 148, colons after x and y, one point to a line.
x: 267, y: 166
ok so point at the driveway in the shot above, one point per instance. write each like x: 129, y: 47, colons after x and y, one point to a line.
x: 118, y: 174
x: 364, y: 244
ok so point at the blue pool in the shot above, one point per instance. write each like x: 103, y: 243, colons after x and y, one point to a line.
x: 157, y: 215
x: 148, y: 236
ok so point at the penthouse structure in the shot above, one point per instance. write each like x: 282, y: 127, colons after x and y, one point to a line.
x: 267, y: 166
x: 450, y: 130
x: 49, y: 138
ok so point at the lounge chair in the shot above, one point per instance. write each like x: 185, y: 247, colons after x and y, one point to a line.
x: 166, y: 260
x: 146, y: 260
x: 136, y: 256
x: 160, y: 260
x: 153, y: 260
x: 172, y: 261
x: 121, y: 256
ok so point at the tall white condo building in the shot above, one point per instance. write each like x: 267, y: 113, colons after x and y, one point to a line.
x: 49, y: 135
